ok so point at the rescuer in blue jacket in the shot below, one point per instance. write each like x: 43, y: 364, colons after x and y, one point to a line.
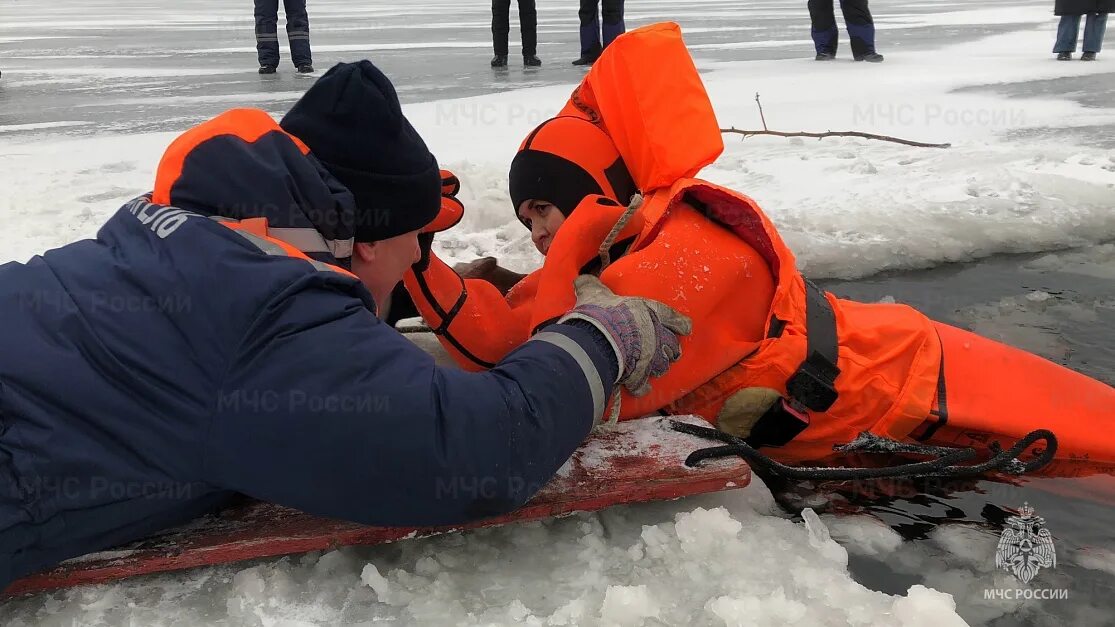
x: 219, y: 336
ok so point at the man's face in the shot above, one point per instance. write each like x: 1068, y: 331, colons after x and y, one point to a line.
x: 381, y: 265
x: 543, y: 219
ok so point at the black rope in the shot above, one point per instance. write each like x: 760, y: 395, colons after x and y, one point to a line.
x: 945, y: 463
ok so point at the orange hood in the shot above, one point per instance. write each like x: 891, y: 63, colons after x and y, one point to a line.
x: 646, y: 94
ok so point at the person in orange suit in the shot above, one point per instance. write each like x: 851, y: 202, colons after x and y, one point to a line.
x: 773, y: 358
x: 708, y: 251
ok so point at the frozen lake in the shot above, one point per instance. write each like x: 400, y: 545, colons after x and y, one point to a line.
x: 127, y: 66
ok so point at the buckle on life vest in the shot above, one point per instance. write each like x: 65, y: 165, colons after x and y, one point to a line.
x: 780, y: 424
x: 812, y: 387
x: 812, y: 384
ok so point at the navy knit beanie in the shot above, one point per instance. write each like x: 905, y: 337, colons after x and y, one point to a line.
x: 352, y: 122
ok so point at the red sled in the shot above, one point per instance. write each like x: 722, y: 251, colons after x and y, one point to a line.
x: 633, y: 462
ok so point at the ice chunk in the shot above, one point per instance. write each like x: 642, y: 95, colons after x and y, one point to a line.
x: 385, y: 592
x: 923, y: 607
x: 775, y: 609
x: 517, y: 611
x: 863, y: 535
x: 820, y: 539
x: 970, y: 545
x: 704, y: 531
x: 628, y: 605
x: 572, y: 613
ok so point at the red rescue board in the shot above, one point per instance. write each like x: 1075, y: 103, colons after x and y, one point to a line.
x: 633, y: 462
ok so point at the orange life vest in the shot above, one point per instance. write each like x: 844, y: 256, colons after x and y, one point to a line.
x: 845, y: 367
x: 712, y: 254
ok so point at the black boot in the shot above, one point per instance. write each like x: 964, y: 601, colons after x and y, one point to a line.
x: 871, y: 57
x: 267, y: 69
x: 530, y: 60
x: 590, y: 44
x: 305, y: 68
x: 1088, y: 56
x: 825, y: 56
x: 1064, y: 56
x: 500, y: 60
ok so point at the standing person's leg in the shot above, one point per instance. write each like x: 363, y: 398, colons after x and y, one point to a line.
x: 1067, y: 30
x: 823, y: 30
x: 267, y: 34
x: 528, y: 27
x: 298, y: 33
x: 612, y: 16
x: 1094, y: 29
x: 590, y: 32
x: 501, y: 26
x: 861, y: 28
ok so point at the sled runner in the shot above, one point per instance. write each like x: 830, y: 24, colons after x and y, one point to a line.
x: 635, y: 461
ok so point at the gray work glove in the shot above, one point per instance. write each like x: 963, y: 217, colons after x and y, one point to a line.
x: 643, y: 332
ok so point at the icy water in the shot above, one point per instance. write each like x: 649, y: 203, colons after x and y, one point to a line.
x: 122, y: 67
x: 1060, y: 305
x: 951, y: 530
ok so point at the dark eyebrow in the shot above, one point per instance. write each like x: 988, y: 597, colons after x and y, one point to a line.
x: 530, y: 205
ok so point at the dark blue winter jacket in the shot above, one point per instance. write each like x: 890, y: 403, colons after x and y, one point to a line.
x: 148, y: 375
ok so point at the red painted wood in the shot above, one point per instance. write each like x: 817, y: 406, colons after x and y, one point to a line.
x: 637, y: 461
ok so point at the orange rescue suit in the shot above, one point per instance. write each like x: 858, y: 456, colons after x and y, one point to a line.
x: 712, y: 253
x: 738, y: 281
x: 709, y: 252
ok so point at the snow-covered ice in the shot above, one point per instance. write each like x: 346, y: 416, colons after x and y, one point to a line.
x: 88, y: 105
x: 671, y: 563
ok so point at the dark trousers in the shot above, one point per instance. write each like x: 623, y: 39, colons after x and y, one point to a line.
x: 591, y: 28
x: 297, y: 31
x: 501, y: 26
x: 1094, y: 28
x: 857, y: 18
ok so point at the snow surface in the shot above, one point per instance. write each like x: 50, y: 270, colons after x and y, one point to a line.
x: 1018, y: 178
x: 675, y: 563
